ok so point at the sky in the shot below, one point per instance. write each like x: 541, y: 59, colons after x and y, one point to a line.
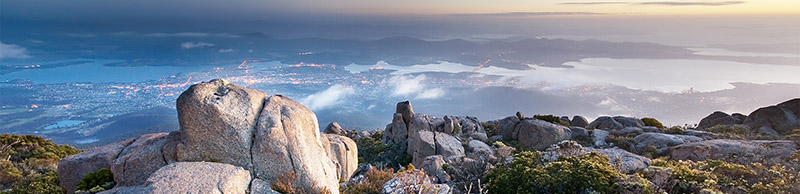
x: 266, y: 9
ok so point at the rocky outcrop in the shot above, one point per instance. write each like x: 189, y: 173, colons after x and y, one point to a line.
x: 782, y: 118
x: 221, y: 111
x: 717, y: 118
x: 192, y: 177
x: 268, y: 138
x: 539, y: 134
x: 343, y: 152
x: 72, y: 169
x: 738, y: 151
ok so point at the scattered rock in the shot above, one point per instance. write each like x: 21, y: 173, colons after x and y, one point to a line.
x: 479, y: 146
x: 433, y: 168
x: 415, y: 182
x: 452, y: 125
x: 507, y: 127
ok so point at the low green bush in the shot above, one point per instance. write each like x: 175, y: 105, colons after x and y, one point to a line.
x: 552, y: 119
x: 652, y: 122
x: 675, y: 130
x: 98, y: 178
x: 528, y: 172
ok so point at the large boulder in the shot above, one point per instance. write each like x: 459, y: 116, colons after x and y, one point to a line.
x: 629, y: 121
x: 782, y: 118
x: 72, y: 169
x: 717, y: 118
x: 606, y: 123
x: 219, y: 111
x: 344, y: 153
x: 194, y: 178
x: 140, y: 159
x: 287, y: 141
x: 507, y: 127
x: 662, y: 141
x: 579, y: 121
x: 538, y: 134
x: 737, y: 151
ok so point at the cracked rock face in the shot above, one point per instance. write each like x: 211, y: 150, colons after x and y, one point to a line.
x: 222, y: 112
x: 288, y: 141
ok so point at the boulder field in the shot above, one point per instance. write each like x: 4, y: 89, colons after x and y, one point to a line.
x: 232, y: 139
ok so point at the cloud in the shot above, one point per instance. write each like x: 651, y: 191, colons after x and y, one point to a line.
x: 664, y: 3
x: 525, y: 14
x: 431, y: 94
x: 327, y: 98
x: 412, y: 86
x: 225, y: 50
x: 13, y: 51
x: 191, y: 45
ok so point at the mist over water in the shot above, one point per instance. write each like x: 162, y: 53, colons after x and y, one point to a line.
x: 664, y: 75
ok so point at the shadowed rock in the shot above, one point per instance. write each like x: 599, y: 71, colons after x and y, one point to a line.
x: 72, y: 169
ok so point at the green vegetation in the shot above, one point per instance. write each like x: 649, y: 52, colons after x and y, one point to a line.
x: 675, y: 130
x: 551, y: 119
x: 530, y: 173
x: 652, y: 122
x: 28, y: 164
x: 719, y: 176
x: 372, y: 150
x: 99, y: 180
